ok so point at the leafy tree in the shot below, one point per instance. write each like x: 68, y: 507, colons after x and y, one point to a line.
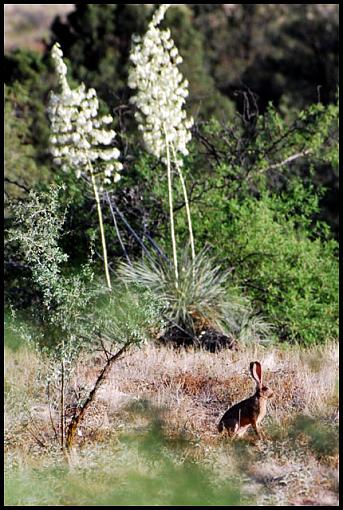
x: 96, y: 38
x: 23, y: 65
x: 22, y: 170
x: 27, y: 74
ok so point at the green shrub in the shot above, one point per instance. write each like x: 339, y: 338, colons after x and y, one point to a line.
x: 73, y: 313
x: 291, y: 275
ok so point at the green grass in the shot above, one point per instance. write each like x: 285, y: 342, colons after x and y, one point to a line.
x: 145, y: 468
x: 322, y: 438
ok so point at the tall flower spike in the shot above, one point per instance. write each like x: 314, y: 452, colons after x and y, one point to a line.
x: 161, y: 90
x: 81, y: 140
x: 80, y: 137
x: 161, y: 94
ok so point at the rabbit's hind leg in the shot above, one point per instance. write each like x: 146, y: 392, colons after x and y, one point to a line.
x: 229, y: 427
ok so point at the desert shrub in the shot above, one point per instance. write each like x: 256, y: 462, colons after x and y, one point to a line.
x: 73, y: 312
x: 37, y: 228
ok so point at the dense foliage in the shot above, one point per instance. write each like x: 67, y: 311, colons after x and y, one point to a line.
x: 262, y: 169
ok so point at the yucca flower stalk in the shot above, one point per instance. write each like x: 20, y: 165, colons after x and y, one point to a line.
x: 161, y: 94
x: 81, y: 139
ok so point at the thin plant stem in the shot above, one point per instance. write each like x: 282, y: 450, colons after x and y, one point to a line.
x: 130, y: 229
x: 171, y: 212
x: 102, y: 232
x: 188, y: 212
x: 117, y: 229
x: 50, y: 415
x: 62, y: 411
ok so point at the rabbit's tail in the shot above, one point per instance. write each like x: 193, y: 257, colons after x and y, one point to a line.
x: 220, y: 426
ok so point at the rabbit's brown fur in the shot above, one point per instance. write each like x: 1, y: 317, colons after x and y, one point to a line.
x: 248, y: 412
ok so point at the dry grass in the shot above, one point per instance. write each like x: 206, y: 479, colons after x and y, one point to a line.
x: 195, y: 388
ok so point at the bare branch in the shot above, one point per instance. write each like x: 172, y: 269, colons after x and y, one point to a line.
x: 288, y: 160
x: 16, y: 183
x: 76, y: 420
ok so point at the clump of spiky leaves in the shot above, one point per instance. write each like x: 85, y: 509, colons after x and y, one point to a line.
x: 255, y: 328
x: 199, y: 295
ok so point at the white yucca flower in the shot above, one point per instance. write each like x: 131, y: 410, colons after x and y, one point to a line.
x: 160, y: 98
x: 80, y: 137
x: 161, y: 90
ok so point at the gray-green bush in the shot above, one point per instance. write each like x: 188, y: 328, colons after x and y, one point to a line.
x: 73, y: 312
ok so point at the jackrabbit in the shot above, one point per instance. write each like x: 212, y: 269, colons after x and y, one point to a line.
x: 248, y: 412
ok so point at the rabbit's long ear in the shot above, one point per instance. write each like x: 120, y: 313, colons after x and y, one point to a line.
x: 256, y: 371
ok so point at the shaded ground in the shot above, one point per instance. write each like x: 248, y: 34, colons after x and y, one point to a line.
x: 208, y: 338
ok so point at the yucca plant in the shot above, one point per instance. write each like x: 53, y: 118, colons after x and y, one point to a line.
x: 255, y: 329
x: 161, y: 93
x: 198, y: 298
x: 81, y: 140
